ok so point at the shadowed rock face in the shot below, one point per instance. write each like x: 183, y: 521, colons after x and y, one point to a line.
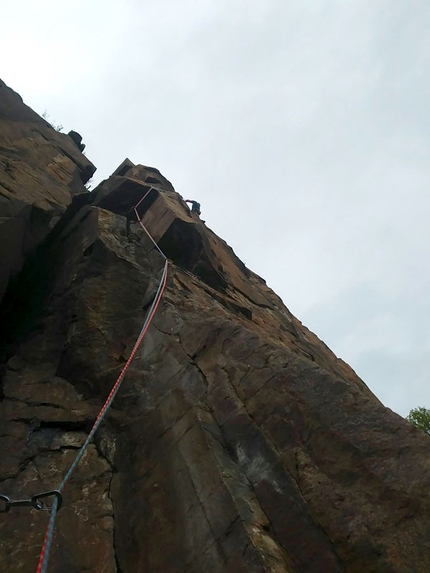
x: 40, y: 171
x: 238, y: 442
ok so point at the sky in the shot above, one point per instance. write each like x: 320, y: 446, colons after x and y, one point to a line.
x: 301, y: 126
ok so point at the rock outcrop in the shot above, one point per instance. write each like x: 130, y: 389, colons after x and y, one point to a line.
x: 40, y: 171
x: 238, y: 442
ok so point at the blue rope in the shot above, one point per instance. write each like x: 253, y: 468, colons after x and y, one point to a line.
x: 49, y: 536
x: 50, y: 528
x: 99, y: 421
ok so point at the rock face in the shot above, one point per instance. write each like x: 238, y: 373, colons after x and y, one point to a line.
x: 40, y: 171
x: 238, y: 442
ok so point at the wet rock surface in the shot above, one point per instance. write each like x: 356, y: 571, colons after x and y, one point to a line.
x: 238, y: 441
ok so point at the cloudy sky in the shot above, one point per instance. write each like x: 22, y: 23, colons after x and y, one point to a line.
x: 301, y: 126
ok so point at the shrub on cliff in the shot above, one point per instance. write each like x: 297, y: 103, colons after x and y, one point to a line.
x: 420, y: 417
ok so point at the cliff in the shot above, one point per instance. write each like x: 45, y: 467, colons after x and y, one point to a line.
x: 238, y: 441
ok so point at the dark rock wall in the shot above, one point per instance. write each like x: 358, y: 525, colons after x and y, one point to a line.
x: 40, y: 171
x: 238, y: 442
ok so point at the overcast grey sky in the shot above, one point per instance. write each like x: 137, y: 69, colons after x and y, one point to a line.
x: 302, y: 126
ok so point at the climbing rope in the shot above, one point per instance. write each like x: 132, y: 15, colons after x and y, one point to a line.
x: 46, y: 547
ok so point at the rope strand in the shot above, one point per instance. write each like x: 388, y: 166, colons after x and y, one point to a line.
x: 49, y: 533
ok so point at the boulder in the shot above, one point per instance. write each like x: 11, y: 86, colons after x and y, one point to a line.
x: 77, y: 139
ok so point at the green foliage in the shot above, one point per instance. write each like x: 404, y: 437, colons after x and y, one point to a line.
x: 420, y: 417
x: 56, y: 126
